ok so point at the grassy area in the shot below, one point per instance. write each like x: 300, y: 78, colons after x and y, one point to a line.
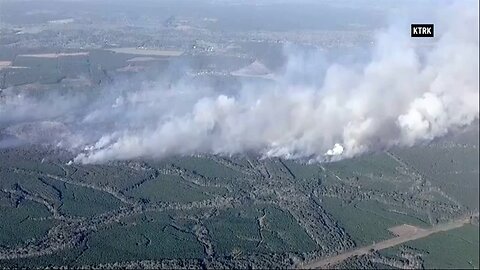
x: 22, y: 159
x: 170, y: 188
x: 82, y: 201
x: 239, y: 231
x: 119, y: 177
x: 150, y: 237
x: 454, y: 249
x: 375, y: 165
x: 63, y: 258
x: 457, y: 248
x: 283, y: 234
x: 18, y: 225
x: 454, y: 170
x: 71, y: 200
x: 377, y: 171
x: 208, y: 168
x: 368, y: 221
x: 236, y: 230
x: 303, y: 171
x: 27, y: 183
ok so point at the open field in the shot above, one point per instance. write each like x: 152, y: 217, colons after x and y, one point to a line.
x: 370, y: 221
x: 4, y: 64
x: 456, y: 248
x: 404, y: 230
x: 53, y: 55
x: 416, y: 234
x: 146, y: 52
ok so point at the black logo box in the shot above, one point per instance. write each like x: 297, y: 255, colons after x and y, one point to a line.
x: 422, y: 30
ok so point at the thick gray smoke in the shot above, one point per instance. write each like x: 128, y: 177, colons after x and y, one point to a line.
x: 409, y: 92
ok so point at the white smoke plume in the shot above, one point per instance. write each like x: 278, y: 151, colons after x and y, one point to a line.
x: 409, y: 92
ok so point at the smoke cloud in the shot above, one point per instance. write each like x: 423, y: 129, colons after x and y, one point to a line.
x: 410, y: 91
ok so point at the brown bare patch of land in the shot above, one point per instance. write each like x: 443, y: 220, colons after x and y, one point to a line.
x: 54, y: 55
x: 147, y: 52
x: 404, y: 230
x: 4, y: 64
x: 142, y: 59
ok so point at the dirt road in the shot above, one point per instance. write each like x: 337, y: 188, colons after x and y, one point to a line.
x: 417, y: 234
